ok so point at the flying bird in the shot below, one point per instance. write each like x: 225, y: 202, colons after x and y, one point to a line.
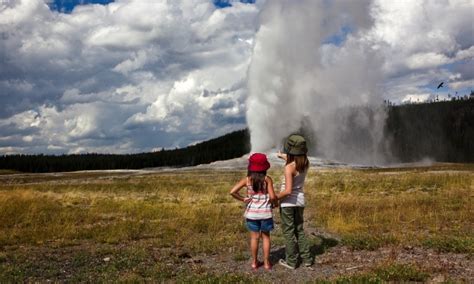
x: 440, y: 85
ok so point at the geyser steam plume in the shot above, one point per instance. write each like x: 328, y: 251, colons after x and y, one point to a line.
x: 297, y: 78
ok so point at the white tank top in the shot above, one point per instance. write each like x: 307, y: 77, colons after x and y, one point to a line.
x: 296, y: 198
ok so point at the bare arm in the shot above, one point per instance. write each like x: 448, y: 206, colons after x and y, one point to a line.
x: 289, y: 172
x: 271, y: 190
x: 237, y: 187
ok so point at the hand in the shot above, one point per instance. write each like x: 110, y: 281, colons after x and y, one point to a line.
x: 247, y: 200
x: 275, y: 203
x: 281, y: 155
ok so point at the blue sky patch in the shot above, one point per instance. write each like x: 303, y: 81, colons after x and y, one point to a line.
x: 228, y: 3
x: 66, y: 6
x: 339, y: 38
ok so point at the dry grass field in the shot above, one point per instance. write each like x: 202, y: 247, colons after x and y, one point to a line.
x: 374, y: 225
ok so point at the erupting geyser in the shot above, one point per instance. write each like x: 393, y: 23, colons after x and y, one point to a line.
x: 300, y: 79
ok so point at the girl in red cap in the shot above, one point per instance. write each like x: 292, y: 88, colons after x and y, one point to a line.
x: 258, y: 211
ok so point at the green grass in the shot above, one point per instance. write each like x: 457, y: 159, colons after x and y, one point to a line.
x: 61, y: 227
x: 450, y: 244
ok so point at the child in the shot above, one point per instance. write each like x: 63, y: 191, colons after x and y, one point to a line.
x: 258, y: 212
x: 292, y: 202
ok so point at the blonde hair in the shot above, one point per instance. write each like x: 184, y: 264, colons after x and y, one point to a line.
x: 301, y: 161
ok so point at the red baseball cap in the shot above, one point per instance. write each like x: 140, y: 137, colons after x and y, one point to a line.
x: 258, y: 163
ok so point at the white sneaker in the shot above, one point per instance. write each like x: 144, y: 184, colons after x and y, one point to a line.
x: 309, y: 266
x: 283, y: 262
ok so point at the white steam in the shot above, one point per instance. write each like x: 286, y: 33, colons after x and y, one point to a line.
x: 325, y: 67
x: 296, y: 81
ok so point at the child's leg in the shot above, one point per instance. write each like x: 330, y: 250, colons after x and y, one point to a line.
x: 287, y: 215
x: 266, y: 249
x: 303, y: 243
x: 254, y: 238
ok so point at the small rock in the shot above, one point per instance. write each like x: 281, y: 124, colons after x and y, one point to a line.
x: 107, y: 259
x: 437, y: 279
x: 353, y: 267
x: 195, y: 261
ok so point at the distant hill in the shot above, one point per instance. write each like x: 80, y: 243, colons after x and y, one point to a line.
x: 443, y: 131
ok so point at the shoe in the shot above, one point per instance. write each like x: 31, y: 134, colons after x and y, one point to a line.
x: 309, y: 266
x: 256, y: 266
x: 283, y: 262
x: 268, y: 268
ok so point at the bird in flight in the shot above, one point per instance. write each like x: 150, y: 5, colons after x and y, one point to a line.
x: 440, y: 85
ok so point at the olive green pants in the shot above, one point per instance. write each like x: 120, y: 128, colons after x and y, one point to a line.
x: 295, y: 238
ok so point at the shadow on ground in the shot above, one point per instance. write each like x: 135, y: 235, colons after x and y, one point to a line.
x: 319, y: 244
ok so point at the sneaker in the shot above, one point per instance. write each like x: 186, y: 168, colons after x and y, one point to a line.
x: 309, y: 266
x: 283, y: 262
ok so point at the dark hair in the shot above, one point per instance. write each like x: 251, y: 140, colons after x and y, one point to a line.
x: 301, y: 161
x: 258, y: 180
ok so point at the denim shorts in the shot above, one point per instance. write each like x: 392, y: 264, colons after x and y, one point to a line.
x: 265, y: 225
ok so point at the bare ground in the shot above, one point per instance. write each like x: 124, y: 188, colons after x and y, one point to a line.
x: 339, y: 261
x: 332, y: 260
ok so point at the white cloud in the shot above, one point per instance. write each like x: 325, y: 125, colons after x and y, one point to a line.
x: 416, y: 98
x: 124, y: 77
x: 137, y: 61
x: 421, y: 41
x: 465, y: 53
x: 462, y: 84
x: 426, y: 60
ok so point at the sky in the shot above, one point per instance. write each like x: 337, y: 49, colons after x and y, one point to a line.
x: 132, y: 76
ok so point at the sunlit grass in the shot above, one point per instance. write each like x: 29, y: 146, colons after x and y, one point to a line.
x: 373, y: 209
x: 191, y: 211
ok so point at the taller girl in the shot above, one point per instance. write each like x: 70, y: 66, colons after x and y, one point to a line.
x: 292, y: 202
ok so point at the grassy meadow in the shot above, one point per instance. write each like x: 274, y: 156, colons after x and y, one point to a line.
x: 183, y: 226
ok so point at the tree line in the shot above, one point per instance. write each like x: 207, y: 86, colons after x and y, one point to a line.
x: 229, y: 146
x: 443, y: 131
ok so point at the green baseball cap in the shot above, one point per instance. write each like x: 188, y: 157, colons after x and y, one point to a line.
x: 295, y: 144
